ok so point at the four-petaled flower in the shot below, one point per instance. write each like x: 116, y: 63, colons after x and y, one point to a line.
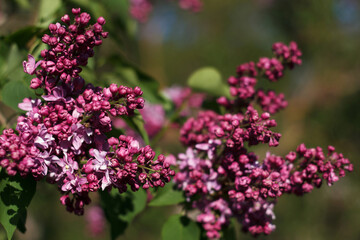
x: 30, y: 65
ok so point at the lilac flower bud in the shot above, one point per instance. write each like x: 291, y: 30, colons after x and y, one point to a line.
x: 80, y: 39
x: 84, y: 18
x: 65, y: 19
x: 76, y: 11
x: 52, y: 27
x: 101, y: 21
x: 35, y: 83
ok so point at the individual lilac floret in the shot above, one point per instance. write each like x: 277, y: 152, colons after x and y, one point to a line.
x: 31, y: 65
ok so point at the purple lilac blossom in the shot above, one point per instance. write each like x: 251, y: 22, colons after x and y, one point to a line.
x: 222, y: 179
x: 62, y: 138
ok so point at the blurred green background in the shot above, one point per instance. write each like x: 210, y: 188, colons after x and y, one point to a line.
x: 323, y: 93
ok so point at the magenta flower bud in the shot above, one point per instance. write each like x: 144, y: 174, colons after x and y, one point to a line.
x: 113, y: 88
x: 88, y: 168
x: 4, y: 163
x: 52, y: 27
x: 233, y: 91
x: 45, y: 38
x: 35, y: 83
x: 301, y: 149
x: 84, y: 18
x: 142, y: 177
x: 265, y: 116
x: 222, y: 101
x: 59, y: 66
x: 89, y: 34
x: 113, y: 112
x: 80, y: 39
x: 52, y: 41
x: 67, y: 39
x: 65, y: 200
x: 155, y: 176
x: 97, y: 28
x: 137, y: 91
x: 91, y: 178
x: 88, y: 93
x: 134, y: 147
x: 101, y: 21
x: 76, y: 11
x: 306, y: 187
x: 291, y: 156
x: 65, y: 19
x: 98, y: 42
x: 75, y: 63
x: 104, y: 34
x: 107, y: 93
x: 105, y: 121
x: 331, y: 149
x: 72, y: 28
x: 61, y: 31
x: 96, y: 105
x: 232, y: 81
x: 122, y: 152
x: 113, y: 141
x: 105, y: 105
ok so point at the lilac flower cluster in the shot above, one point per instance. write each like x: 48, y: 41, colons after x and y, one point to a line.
x: 223, y: 179
x: 140, y: 9
x: 62, y: 137
x: 243, y: 86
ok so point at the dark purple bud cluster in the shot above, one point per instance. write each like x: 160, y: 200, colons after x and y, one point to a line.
x: 289, y: 55
x: 233, y: 130
x: 270, y: 101
x: 223, y: 179
x: 243, y: 86
x: 70, y: 47
x: 272, y: 68
x: 63, y: 137
x: 99, y: 104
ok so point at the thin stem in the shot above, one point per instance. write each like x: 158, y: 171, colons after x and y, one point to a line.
x: 149, y: 169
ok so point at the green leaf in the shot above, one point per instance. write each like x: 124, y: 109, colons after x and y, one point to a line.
x: 167, y: 196
x: 179, y: 227
x: 14, y: 92
x: 208, y: 80
x: 15, y: 196
x: 120, y: 209
x: 11, y: 65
